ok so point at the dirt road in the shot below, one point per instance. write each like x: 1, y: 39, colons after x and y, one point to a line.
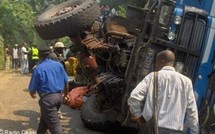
x: 19, y: 113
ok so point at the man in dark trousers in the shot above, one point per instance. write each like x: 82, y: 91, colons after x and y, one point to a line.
x: 49, y: 80
x: 33, y: 57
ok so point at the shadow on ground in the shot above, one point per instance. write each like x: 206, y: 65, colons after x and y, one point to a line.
x: 20, y: 126
x: 33, y: 118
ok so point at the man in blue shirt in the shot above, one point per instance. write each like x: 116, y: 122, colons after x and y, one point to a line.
x: 49, y: 80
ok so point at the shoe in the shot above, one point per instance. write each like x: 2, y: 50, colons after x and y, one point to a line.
x: 60, y: 114
x: 61, y: 117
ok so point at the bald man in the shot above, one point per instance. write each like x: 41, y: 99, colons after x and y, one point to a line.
x: 175, y: 98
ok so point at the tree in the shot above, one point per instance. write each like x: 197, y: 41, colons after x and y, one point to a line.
x: 16, y: 22
x: 39, y: 6
x: 17, y: 19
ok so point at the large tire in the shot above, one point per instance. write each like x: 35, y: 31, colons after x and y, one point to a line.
x: 95, y: 120
x: 81, y: 13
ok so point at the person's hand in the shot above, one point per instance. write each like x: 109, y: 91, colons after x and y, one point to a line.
x: 33, y: 95
x: 134, y: 118
x: 139, y: 120
x: 66, y: 99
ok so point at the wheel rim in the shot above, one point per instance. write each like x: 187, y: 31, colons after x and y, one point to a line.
x: 64, y: 10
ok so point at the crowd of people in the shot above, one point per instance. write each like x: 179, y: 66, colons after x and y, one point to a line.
x: 23, y: 58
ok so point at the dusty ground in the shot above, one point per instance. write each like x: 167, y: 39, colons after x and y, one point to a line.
x: 19, y: 113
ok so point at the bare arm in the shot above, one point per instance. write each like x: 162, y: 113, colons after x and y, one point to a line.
x: 33, y: 95
x: 137, y: 96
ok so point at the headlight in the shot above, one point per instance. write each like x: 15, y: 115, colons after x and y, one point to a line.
x: 177, y: 20
x: 179, y: 67
x: 171, y: 35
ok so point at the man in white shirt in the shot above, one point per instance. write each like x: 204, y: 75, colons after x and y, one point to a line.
x: 15, y: 57
x: 24, y: 54
x: 175, y: 98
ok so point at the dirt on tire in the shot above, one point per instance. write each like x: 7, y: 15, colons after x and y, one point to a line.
x: 67, y: 18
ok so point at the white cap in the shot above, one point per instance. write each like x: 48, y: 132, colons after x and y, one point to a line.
x: 59, y: 45
x: 16, y: 45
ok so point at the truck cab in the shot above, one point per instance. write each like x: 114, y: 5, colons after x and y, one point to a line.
x: 187, y: 28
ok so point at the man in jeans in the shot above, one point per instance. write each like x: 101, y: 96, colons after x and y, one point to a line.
x: 175, y: 98
x: 49, y: 80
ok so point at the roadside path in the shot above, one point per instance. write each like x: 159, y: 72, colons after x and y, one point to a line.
x: 19, y: 113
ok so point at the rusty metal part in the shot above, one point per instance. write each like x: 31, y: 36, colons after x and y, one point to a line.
x: 118, y: 28
x: 96, y: 45
x: 110, y: 90
x: 65, y: 10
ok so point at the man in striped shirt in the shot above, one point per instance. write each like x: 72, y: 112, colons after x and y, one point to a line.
x: 175, y: 98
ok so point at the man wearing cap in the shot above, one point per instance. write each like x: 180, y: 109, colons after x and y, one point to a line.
x: 58, y: 53
x: 49, y: 80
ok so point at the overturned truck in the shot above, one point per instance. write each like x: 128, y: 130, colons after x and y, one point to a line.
x: 125, y: 50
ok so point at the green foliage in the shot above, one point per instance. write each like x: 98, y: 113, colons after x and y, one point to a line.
x: 122, y: 10
x: 16, y: 22
x: 39, y: 6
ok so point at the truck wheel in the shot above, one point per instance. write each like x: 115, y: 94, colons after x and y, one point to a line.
x: 96, y: 120
x: 67, y: 18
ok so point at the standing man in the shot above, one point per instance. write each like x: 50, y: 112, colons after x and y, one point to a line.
x: 34, y: 57
x: 7, y: 57
x: 49, y: 80
x: 24, y: 53
x: 57, y: 55
x: 59, y: 49
x: 175, y: 98
x: 15, y: 57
